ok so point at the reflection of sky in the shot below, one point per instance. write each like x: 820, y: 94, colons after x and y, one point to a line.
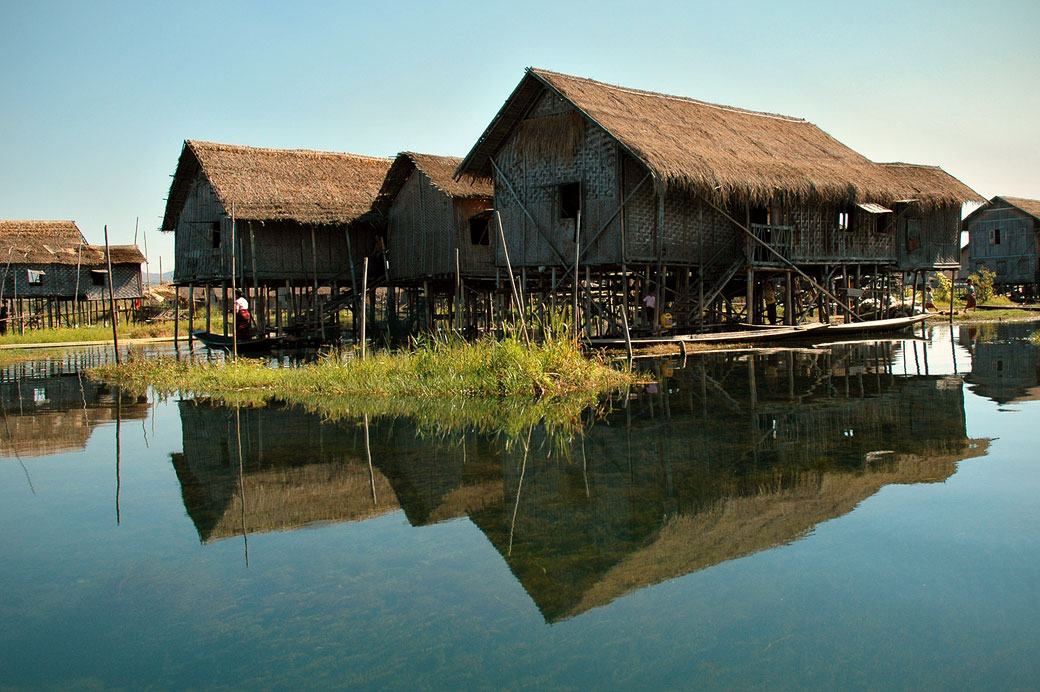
x: 921, y: 586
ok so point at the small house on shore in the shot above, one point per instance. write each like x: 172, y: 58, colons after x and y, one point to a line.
x: 51, y: 276
x: 632, y: 193
x: 290, y: 227
x: 1004, y: 237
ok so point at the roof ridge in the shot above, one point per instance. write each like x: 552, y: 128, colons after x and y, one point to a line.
x: 274, y: 150
x: 673, y: 97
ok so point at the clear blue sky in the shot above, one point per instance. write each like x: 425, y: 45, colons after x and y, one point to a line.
x: 97, y: 97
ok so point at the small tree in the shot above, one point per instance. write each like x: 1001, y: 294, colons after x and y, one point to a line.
x: 942, y: 291
x: 983, y: 279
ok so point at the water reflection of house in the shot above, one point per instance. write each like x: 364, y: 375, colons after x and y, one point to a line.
x: 1005, y: 365
x: 46, y: 413
x: 699, y: 473
x: 729, y: 456
x: 294, y: 471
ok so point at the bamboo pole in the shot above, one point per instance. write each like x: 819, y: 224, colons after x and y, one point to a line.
x: 111, y: 297
x: 79, y: 265
x: 512, y: 279
x: 577, y: 258
x: 234, y: 331
x: 364, y: 306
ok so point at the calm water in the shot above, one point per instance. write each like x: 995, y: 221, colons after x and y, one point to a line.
x: 860, y: 516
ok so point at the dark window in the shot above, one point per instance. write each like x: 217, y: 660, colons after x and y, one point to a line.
x: 480, y: 230
x: 994, y: 236
x: 97, y: 278
x: 570, y: 200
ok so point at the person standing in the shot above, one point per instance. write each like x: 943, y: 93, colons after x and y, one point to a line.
x: 3, y: 318
x: 970, y: 301
x: 650, y: 306
x: 242, y: 317
x: 769, y: 294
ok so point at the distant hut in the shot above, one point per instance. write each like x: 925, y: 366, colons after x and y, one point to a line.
x: 52, y: 277
x: 630, y: 193
x: 439, y: 233
x: 1004, y: 237
x: 301, y: 221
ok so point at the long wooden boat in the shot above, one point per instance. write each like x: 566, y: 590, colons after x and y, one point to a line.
x: 893, y: 324
x: 765, y: 334
x: 226, y: 343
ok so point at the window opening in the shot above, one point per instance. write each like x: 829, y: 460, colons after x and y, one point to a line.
x: 480, y: 230
x: 35, y: 277
x: 97, y: 277
x: 570, y: 200
x: 216, y: 234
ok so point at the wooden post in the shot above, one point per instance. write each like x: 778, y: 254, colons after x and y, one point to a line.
x: 364, y: 307
x: 191, y: 315
x: 750, y: 296
x: 458, y: 293
x: 788, y: 300
x: 176, y: 316
x: 953, y: 276
x: 111, y: 297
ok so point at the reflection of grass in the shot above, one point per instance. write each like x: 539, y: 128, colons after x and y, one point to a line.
x: 1035, y: 337
x: 492, y: 385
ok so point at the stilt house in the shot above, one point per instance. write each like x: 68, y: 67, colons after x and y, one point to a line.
x: 631, y: 192
x: 50, y: 273
x: 430, y: 216
x: 301, y: 221
x: 1004, y: 237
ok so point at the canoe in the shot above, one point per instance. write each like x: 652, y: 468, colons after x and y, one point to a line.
x: 765, y: 333
x: 226, y: 343
x: 892, y: 324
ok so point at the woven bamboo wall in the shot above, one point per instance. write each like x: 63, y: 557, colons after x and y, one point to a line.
x: 536, y: 176
x: 283, y: 249
x: 1014, y: 259
x: 425, y: 226
x: 59, y: 281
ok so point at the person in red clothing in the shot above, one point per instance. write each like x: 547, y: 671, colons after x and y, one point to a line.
x: 242, y: 317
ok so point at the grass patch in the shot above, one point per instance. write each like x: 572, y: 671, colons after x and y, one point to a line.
x: 1001, y: 315
x: 97, y: 332
x: 431, y: 369
x: 1035, y: 337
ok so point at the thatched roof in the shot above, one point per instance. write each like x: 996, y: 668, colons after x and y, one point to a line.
x: 720, y: 151
x: 930, y: 183
x: 307, y: 187
x: 57, y: 242
x: 1029, y: 206
x: 439, y: 169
